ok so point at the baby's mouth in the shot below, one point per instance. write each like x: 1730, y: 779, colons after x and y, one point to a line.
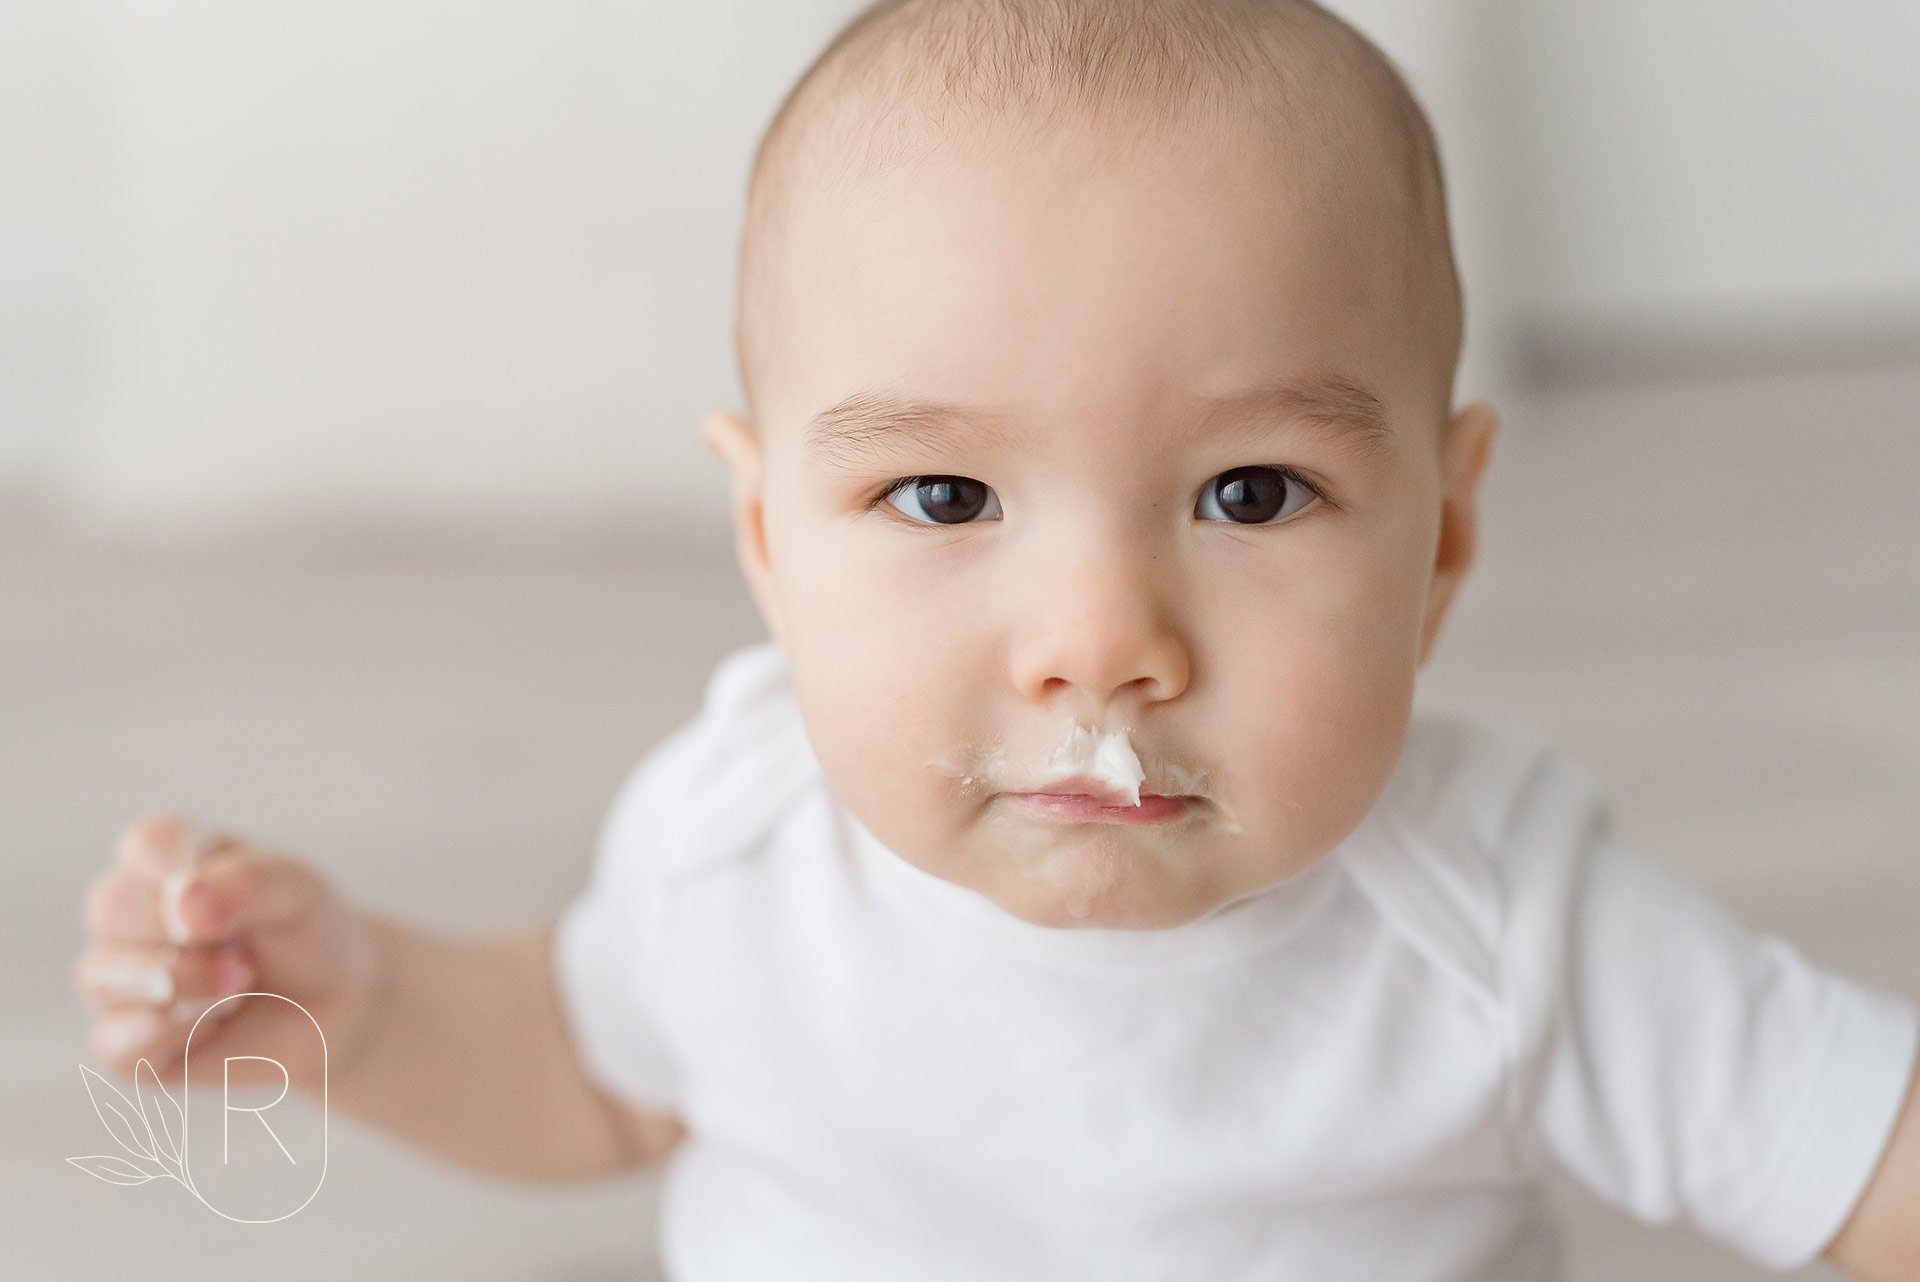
x: 1095, y: 790
x: 1079, y: 798
x: 1095, y: 776
x: 1092, y: 775
x: 1101, y: 765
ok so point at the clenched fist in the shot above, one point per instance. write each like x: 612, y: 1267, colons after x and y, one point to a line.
x: 183, y: 918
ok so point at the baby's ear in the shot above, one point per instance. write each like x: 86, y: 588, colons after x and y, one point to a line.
x: 1469, y: 439
x: 728, y: 438
x: 733, y: 442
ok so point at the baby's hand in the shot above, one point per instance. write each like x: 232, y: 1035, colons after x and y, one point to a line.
x: 181, y: 920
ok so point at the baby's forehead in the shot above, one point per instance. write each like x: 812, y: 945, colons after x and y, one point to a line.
x: 1280, y: 87
x: 1056, y: 278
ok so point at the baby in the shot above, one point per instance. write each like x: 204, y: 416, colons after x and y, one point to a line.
x: 1070, y: 888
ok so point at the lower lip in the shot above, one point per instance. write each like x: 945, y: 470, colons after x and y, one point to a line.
x: 1078, y: 806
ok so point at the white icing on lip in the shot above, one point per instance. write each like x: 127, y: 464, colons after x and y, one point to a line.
x: 1108, y: 757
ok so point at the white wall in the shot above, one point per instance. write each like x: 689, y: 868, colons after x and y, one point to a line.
x: 429, y: 257
x: 478, y: 257
x: 1719, y: 163
x: 51, y: 205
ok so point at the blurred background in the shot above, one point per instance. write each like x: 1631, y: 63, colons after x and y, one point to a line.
x: 350, y: 363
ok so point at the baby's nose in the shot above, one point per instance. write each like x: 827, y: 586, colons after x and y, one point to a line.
x: 1099, y: 627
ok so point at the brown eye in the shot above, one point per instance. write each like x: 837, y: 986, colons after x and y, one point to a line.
x: 943, y: 500
x: 1251, y: 496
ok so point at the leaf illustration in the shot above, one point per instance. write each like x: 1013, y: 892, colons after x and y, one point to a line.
x: 166, y: 1125
x: 117, y: 1113
x: 114, y: 1170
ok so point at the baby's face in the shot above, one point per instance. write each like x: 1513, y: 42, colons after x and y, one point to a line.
x: 1141, y: 450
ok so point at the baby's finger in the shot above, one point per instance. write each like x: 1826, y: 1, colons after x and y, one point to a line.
x: 160, y: 975
x: 238, y: 890
x: 155, y: 845
x: 124, y: 907
x: 125, y: 1036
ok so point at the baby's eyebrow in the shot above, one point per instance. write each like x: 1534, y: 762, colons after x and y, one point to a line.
x: 852, y: 432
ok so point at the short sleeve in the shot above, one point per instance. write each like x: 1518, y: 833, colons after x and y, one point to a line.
x: 709, y: 791
x: 1679, y: 1064
x: 605, y: 958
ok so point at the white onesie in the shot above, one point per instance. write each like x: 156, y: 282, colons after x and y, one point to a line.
x: 1356, y: 1076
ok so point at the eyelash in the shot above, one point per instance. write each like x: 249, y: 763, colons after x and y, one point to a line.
x: 894, y: 486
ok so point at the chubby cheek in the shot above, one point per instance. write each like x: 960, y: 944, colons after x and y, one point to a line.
x: 1325, y: 715
x: 878, y: 769
x: 882, y: 674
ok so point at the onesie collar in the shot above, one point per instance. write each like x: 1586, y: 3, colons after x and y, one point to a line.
x: 1235, y: 930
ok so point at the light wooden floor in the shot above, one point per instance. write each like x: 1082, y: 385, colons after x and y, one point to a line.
x: 1710, y: 591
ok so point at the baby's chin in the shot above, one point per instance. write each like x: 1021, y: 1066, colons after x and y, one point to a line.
x: 1101, y: 881
x: 1103, y: 914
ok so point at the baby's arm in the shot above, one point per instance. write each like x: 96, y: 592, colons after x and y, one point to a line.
x: 1880, y: 1242
x: 455, y: 1045
x: 468, y: 1056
